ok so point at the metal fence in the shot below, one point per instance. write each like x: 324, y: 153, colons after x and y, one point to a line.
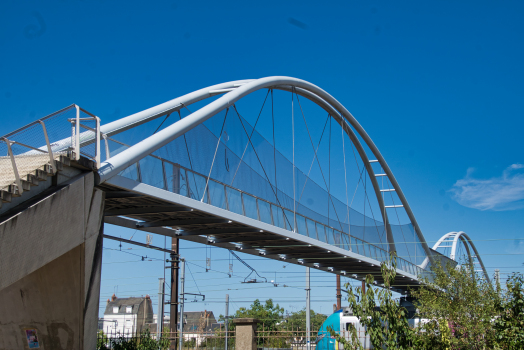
x: 292, y: 339
x: 178, y: 179
x: 41, y: 143
x: 193, y: 340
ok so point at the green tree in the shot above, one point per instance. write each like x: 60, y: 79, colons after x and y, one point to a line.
x: 383, y: 317
x: 296, y: 322
x: 460, y: 307
x: 509, y: 326
x: 270, y: 316
x: 102, y: 340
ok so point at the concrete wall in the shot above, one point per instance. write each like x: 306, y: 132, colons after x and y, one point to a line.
x: 50, y: 264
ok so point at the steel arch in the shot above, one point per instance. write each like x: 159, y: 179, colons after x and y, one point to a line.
x: 119, y: 162
x: 464, y: 238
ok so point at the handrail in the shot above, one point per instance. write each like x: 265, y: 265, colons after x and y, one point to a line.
x: 384, y: 253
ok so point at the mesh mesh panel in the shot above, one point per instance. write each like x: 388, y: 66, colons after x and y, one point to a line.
x: 265, y: 180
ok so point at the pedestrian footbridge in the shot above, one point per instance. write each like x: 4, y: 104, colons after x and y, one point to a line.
x: 208, y: 167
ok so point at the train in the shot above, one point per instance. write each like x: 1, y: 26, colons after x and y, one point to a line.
x: 341, y: 321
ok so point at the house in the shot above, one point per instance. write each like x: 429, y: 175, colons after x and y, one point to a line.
x: 197, y: 325
x: 127, y: 316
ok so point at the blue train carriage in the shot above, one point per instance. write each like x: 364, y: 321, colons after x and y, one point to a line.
x: 340, y: 322
x: 343, y: 319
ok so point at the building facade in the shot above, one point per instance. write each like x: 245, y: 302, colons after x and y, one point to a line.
x: 127, y: 316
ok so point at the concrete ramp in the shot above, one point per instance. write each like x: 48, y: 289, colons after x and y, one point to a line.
x: 50, y: 264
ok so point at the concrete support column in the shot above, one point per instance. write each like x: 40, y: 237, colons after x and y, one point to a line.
x: 50, y: 265
x: 245, y: 333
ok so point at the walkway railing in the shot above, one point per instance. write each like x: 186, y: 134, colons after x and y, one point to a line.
x: 40, y: 144
x: 181, y: 180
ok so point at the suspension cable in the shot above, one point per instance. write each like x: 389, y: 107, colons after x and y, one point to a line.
x: 398, y: 218
x: 345, y: 177
x: 247, y: 143
x: 261, y: 165
x: 274, y: 147
x: 364, y: 182
x: 313, y: 160
x: 216, y: 149
x: 320, y: 167
x: 188, y: 155
x: 293, y: 136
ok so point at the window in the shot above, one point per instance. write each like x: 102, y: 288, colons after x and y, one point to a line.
x: 115, y: 309
x: 128, y: 309
x: 349, y: 326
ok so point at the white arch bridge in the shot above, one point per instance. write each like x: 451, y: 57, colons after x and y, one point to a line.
x: 198, y: 168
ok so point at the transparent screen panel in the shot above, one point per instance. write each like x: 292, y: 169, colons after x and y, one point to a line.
x: 196, y: 185
x: 217, y: 195
x: 234, y: 201
x: 288, y: 219
x: 250, y: 206
x: 338, y: 239
x: 312, y: 231
x: 183, y: 187
x: 264, y: 210
x: 321, y: 232
x: 329, y: 235
x: 301, y: 225
x: 278, y: 216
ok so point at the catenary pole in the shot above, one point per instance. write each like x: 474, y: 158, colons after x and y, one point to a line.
x: 182, y: 279
x: 308, y: 311
x: 227, y: 317
x: 339, y: 294
x: 173, y: 307
x: 160, y: 314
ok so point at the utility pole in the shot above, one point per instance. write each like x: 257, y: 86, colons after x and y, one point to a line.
x: 227, y: 316
x: 182, y: 280
x: 173, y: 308
x: 160, y: 314
x: 339, y: 294
x: 308, y: 311
x: 497, y: 277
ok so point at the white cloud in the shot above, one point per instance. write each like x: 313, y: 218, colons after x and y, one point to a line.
x: 499, y: 193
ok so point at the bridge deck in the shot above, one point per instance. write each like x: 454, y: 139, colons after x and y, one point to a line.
x: 132, y: 204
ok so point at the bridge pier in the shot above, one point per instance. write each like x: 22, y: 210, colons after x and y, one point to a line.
x: 245, y: 333
x: 50, y: 265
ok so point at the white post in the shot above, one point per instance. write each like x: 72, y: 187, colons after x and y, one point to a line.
x: 160, y: 314
x: 227, y: 317
x: 15, y: 169
x: 49, y: 149
x: 77, y: 133
x: 182, y: 279
x: 108, y: 153
x: 97, y: 142
x: 308, y: 310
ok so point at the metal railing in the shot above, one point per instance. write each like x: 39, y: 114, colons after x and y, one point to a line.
x: 76, y: 135
x: 22, y: 153
x: 192, y: 340
x: 184, y: 181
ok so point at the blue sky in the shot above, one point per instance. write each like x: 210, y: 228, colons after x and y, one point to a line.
x: 437, y: 85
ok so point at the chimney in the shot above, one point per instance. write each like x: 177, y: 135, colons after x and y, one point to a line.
x: 108, y: 301
x: 113, y: 297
